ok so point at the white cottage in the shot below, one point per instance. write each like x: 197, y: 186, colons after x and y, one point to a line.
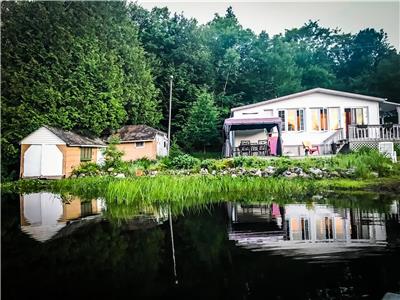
x: 325, y: 119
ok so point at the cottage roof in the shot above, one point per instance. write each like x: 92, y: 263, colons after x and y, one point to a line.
x: 74, y: 139
x: 312, y: 91
x: 130, y: 133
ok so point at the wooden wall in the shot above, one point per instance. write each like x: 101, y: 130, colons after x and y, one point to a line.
x: 132, y: 153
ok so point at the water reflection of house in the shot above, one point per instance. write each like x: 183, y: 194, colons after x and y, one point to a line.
x: 43, y: 215
x: 302, y: 226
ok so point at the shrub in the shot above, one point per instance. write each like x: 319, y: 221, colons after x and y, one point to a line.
x: 222, y: 164
x: 88, y: 169
x: 184, y: 161
x: 143, y: 163
x: 250, y: 162
x: 208, y: 164
x: 113, y: 156
x: 175, y: 150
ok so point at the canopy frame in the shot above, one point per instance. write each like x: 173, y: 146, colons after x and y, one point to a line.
x: 232, y: 124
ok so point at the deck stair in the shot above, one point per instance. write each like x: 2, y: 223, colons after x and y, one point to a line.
x: 335, y: 142
x: 341, y: 146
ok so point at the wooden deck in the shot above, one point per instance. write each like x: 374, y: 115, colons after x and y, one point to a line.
x: 380, y: 133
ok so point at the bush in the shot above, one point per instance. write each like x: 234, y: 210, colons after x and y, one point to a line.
x: 175, y: 150
x: 88, y: 169
x: 208, y: 164
x: 184, y: 161
x: 113, y: 156
x: 250, y: 162
x: 143, y: 163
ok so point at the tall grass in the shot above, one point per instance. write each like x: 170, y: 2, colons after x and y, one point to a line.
x: 200, y: 189
x: 127, y: 198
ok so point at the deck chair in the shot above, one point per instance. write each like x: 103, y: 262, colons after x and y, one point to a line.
x: 309, y: 149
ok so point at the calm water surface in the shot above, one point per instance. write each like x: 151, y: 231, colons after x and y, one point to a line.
x: 55, y: 247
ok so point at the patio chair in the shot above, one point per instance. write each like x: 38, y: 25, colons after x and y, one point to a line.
x: 263, y: 147
x: 309, y: 149
x: 254, y: 149
x: 245, y: 147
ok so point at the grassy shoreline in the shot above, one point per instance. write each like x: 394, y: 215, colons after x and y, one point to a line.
x: 171, y: 188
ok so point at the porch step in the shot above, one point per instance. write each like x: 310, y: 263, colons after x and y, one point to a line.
x: 342, y: 146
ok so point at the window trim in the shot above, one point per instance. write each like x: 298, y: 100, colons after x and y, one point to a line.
x: 319, y: 119
x: 285, y: 124
x: 139, y: 147
x: 339, y: 118
x: 365, y: 114
x: 86, y: 154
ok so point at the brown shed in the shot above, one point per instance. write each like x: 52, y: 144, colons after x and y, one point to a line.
x: 50, y: 152
x: 139, y: 141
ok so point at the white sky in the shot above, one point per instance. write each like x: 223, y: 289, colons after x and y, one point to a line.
x: 275, y: 17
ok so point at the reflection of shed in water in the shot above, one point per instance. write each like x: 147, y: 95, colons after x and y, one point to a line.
x: 44, y: 214
x: 296, y: 226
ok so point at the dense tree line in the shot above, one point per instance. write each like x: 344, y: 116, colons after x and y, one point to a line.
x: 94, y: 66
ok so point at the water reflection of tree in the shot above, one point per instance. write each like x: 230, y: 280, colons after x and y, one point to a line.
x: 98, y: 259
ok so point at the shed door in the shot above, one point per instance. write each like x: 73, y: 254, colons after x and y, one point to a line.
x: 52, y: 161
x: 32, y: 161
x: 43, y: 160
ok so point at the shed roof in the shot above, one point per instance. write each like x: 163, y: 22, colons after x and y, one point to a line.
x: 74, y: 139
x: 130, y: 133
x: 312, y: 91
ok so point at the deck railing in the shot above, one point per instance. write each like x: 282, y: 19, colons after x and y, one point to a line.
x: 385, y: 132
x: 337, y: 136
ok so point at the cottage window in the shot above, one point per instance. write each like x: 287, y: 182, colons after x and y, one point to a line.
x: 139, y: 144
x: 292, y: 119
x: 334, y: 118
x: 357, y: 116
x: 86, y: 154
x: 319, y: 119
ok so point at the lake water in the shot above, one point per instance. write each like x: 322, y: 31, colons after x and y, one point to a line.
x: 57, y: 247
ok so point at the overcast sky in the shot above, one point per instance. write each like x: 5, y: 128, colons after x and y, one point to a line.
x: 275, y: 17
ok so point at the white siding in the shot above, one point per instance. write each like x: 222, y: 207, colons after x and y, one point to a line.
x: 315, y: 100
x: 306, y: 102
x: 42, y: 136
x: 162, y: 145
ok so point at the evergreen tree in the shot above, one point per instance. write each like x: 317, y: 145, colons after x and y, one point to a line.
x: 74, y: 65
x: 200, y: 131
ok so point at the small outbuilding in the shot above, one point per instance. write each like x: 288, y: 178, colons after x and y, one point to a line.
x: 50, y: 152
x: 142, y: 141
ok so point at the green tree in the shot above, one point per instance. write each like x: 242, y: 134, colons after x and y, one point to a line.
x: 74, y: 65
x: 175, y: 47
x: 201, y: 131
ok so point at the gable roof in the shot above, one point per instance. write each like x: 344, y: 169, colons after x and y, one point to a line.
x: 130, y: 133
x: 312, y: 91
x: 71, y: 138
x: 74, y: 139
